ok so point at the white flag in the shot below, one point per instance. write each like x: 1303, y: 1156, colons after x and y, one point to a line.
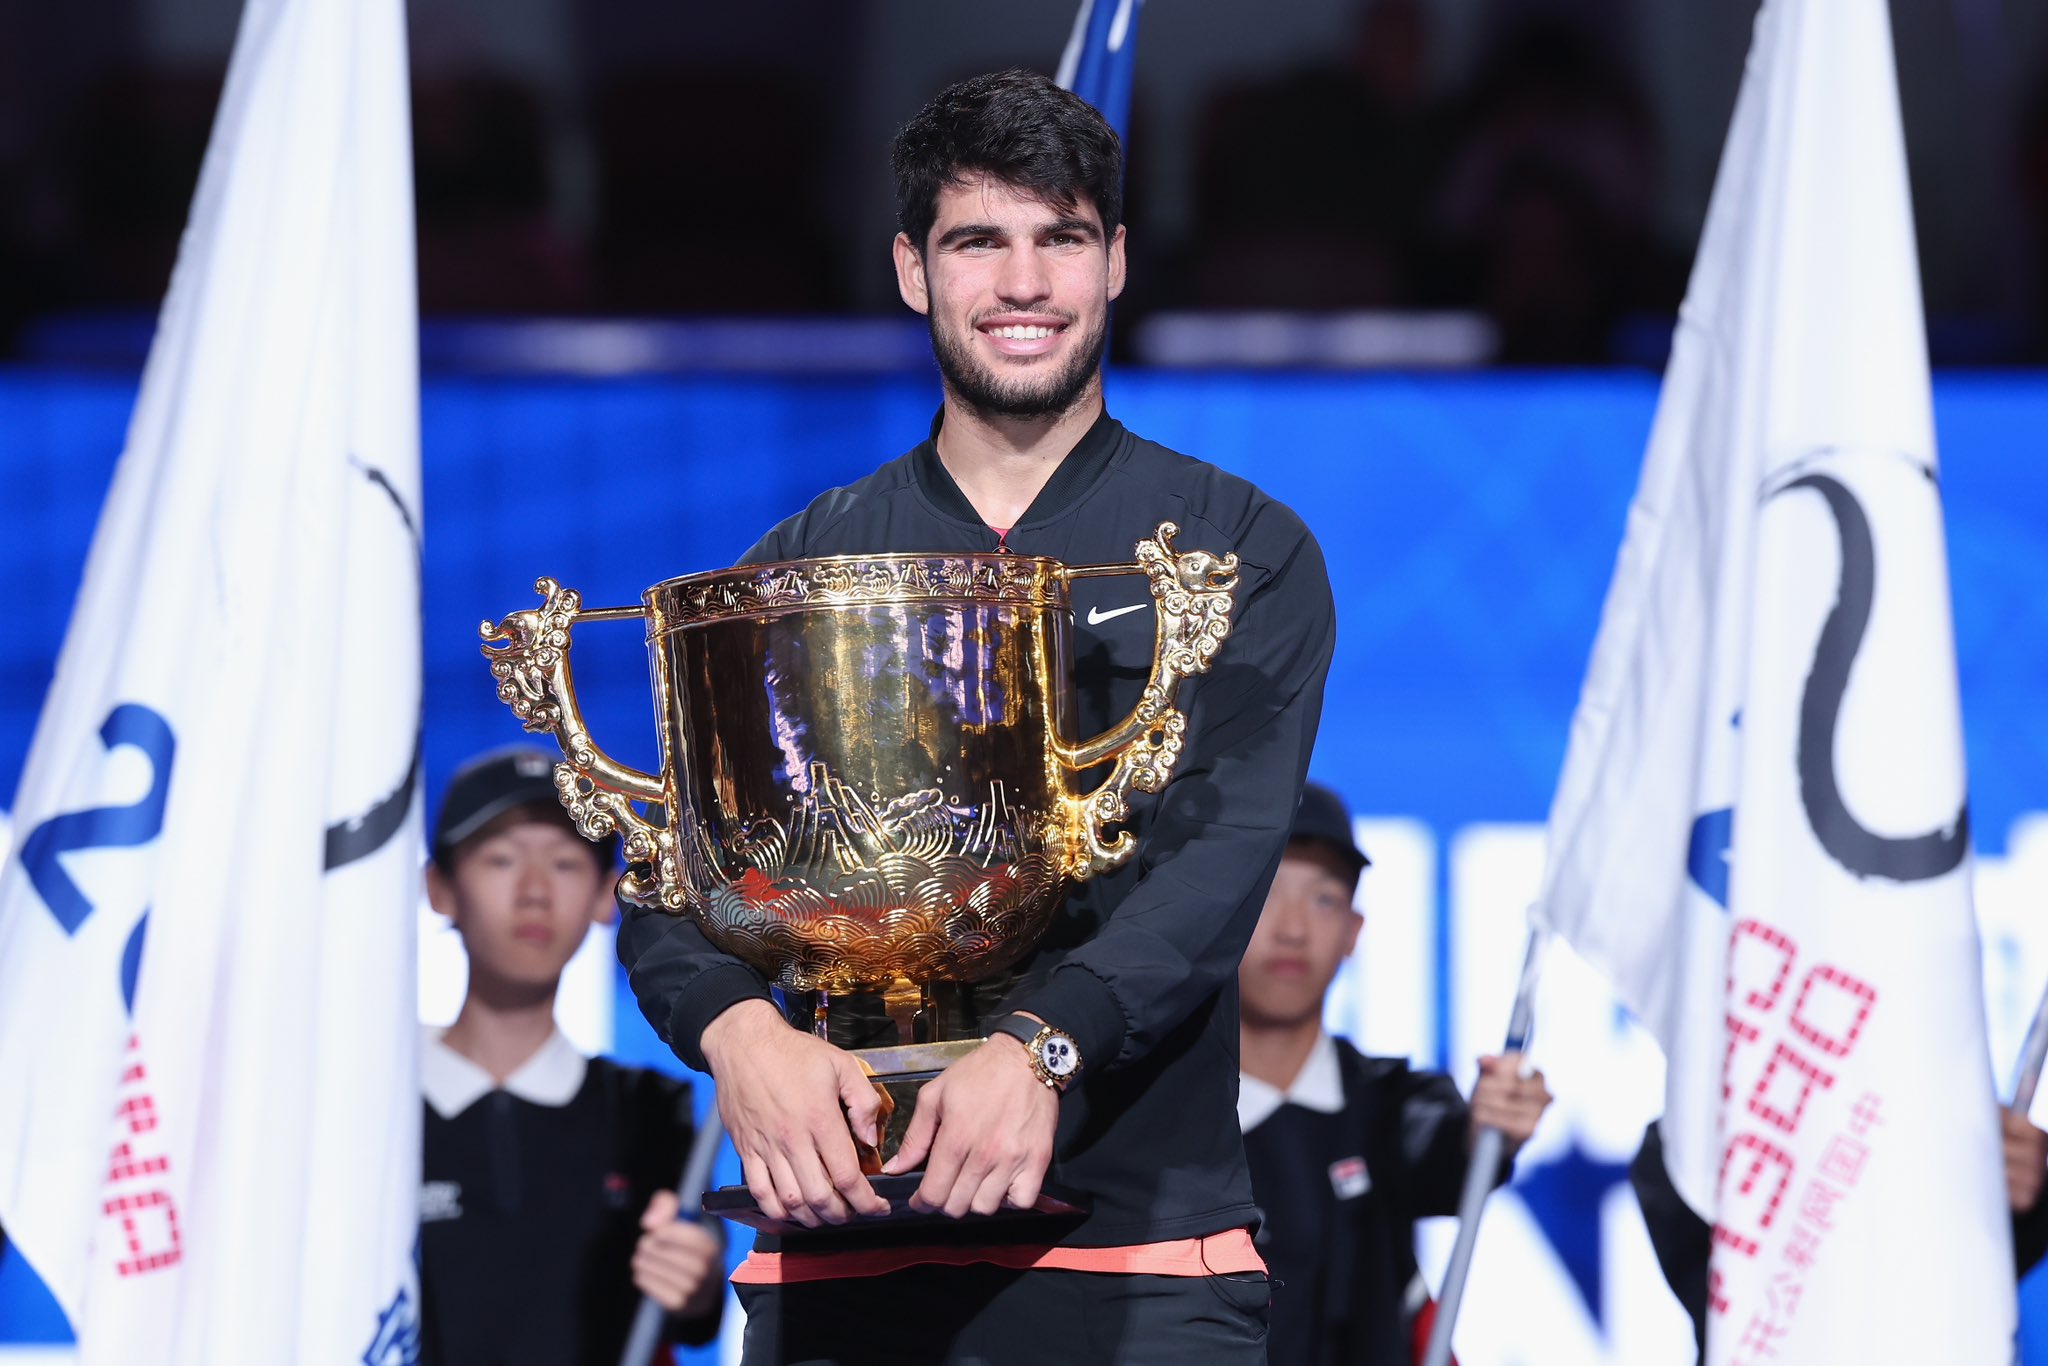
x: 1760, y: 833
x: 209, y: 1145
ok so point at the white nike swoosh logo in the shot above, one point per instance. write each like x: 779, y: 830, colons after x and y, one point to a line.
x: 1096, y: 616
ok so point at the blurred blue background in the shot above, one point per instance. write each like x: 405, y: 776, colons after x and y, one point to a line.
x: 1470, y: 523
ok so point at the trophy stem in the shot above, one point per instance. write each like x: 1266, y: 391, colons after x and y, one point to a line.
x: 902, y: 1013
x: 909, y: 1004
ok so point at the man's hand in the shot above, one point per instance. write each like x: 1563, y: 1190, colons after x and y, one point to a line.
x: 986, y: 1123
x: 2026, y: 1160
x: 677, y: 1264
x: 1506, y: 1100
x: 787, y: 1099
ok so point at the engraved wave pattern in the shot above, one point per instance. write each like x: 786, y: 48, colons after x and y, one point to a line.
x: 853, y: 892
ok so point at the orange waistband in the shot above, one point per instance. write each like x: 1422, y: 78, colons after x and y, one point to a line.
x: 1227, y: 1253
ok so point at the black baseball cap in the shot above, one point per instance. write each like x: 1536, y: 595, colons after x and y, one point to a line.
x: 491, y: 784
x: 1321, y: 817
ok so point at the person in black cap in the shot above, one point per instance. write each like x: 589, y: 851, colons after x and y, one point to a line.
x: 1346, y: 1151
x: 546, y: 1207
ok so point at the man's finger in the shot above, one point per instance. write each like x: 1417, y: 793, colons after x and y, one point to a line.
x: 988, y: 1196
x: 977, y: 1169
x: 658, y: 1288
x: 760, y: 1183
x: 842, y: 1169
x: 862, y: 1101
x: 1024, y: 1188
x: 917, y: 1139
x: 941, y: 1173
x: 660, y: 1210
x: 817, y: 1188
x: 680, y: 1239
x: 788, y: 1192
x: 671, y: 1262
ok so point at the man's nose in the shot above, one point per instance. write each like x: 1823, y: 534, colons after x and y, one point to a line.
x: 533, y: 883
x: 1290, y: 925
x: 1024, y: 280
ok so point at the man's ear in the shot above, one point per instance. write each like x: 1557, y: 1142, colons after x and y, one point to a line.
x: 910, y: 277
x: 1116, y: 262
x: 441, y: 895
x: 1351, y: 939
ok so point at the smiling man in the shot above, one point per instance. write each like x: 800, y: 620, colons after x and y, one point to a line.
x: 1110, y: 1062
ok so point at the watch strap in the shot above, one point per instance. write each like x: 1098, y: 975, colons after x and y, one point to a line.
x: 1022, y: 1028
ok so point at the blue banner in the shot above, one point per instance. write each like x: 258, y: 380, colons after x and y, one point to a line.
x: 1470, y: 523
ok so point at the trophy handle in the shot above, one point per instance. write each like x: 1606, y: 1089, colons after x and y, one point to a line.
x: 1193, y: 594
x: 529, y: 654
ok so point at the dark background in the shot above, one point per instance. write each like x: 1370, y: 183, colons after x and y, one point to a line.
x: 1546, y: 164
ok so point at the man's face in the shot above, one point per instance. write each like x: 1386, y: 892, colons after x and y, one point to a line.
x: 1017, y: 292
x: 1305, y: 932
x: 522, y: 895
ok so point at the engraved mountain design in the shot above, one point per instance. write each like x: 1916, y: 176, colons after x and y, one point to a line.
x: 856, y: 891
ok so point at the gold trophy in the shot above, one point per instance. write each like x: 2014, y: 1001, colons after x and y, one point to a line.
x: 867, y: 791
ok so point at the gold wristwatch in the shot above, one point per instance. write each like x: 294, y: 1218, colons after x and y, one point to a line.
x: 1054, y: 1056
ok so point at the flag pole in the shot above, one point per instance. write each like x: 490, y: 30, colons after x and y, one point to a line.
x: 2033, y: 1053
x: 650, y: 1319
x: 1487, y: 1146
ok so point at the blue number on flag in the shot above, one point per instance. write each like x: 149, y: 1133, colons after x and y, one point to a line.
x: 104, y: 827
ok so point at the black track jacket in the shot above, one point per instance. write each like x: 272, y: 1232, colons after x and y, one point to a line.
x: 1140, y: 966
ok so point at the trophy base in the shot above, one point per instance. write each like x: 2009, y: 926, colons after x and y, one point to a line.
x: 737, y: 1204
x: 899, y: 1073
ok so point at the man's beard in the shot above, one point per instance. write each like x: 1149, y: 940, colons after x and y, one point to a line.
x: 1029, y: 394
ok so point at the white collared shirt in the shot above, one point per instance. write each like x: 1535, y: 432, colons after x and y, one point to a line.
x: 452, y: 1083
x: 1318, y: 1086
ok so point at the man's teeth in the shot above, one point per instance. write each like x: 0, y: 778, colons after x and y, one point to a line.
x: 1020, y: 333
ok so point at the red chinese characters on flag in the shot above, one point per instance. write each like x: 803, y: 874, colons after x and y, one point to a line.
x: 139, y: 1200
x: 1793, y: 1051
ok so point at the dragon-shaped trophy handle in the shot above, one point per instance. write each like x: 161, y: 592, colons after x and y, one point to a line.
x: 1193, y: 593
x: 529, y: 654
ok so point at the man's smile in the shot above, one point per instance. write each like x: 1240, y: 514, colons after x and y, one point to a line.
x: 1013, y: 335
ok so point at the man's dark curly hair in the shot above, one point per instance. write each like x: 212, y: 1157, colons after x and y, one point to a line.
x: 1018, y: 127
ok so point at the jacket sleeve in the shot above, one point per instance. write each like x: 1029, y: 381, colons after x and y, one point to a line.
x: 681, y: 980
x: 1209, y: 852
x: 1681, y: 1239
x: 1431, y: 1143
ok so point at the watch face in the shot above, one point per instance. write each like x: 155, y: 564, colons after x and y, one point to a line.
x: 1058, y: 1055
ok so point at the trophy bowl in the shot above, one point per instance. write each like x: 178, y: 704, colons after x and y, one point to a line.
x: 869, y: 791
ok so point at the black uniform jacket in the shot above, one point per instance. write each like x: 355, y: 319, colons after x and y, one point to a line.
x: 1140, y: 965
x: 530, y: 1214
x: 1345, y: 1298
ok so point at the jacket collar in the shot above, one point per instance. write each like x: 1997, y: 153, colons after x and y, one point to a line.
x: 452, y: 1083
x: 1078, y: 470
x: 1319, y: 1086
